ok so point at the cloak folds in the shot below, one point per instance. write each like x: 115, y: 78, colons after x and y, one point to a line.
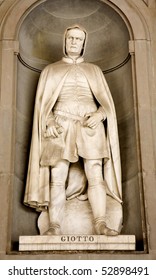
x: 38, y: 178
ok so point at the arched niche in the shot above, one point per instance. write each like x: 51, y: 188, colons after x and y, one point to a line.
x: 122, y: 85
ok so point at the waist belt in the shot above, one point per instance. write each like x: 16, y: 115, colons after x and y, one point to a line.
x: 70, y: 116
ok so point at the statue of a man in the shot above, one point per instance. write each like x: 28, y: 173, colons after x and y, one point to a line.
x: 74, y: 118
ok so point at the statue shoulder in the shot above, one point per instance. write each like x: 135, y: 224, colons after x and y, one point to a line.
x: 92, y: 66
x: 92, y: 69
x: 52, y: 66
x: 96, y: 67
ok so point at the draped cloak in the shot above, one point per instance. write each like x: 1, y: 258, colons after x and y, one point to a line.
x: 37, y: 193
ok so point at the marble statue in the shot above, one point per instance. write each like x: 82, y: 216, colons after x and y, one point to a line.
x: 74, y: 132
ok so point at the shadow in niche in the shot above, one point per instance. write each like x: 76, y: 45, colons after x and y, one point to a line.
x: 40, y: 40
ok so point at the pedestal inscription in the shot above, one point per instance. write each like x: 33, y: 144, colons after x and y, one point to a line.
x: 76, y: 242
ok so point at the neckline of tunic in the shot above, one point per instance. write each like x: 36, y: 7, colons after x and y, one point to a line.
x: 72, y: 61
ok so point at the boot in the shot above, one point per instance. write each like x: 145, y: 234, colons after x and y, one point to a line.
x: 54, y: 229
x: 102, y: 229
x: 97, y: 199
x: 56, y: 208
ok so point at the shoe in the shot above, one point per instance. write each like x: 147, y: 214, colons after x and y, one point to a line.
x: 102, y: 229
x: 53, y: 230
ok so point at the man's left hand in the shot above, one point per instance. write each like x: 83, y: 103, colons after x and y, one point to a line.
x: 93, y: 120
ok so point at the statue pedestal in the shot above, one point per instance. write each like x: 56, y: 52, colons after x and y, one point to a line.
x: 76, y: 242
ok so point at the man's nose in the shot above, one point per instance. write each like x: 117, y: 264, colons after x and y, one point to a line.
x: 73, y: 40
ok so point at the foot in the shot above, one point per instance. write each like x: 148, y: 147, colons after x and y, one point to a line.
x: 102, y: 229
x: 53, y: 230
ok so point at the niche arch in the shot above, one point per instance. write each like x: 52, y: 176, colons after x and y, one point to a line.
x: 136, y: 33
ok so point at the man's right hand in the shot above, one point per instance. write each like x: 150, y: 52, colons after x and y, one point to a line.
x: 52, y: 131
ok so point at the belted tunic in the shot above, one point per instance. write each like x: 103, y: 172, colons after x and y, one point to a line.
x: 74, y: 103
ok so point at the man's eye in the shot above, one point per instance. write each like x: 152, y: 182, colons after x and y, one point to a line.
x: 69, y: 38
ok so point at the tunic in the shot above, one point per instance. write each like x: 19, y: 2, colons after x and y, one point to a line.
x: 76, y: 100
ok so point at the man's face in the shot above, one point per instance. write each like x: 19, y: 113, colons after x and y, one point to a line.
x: 74, y: 42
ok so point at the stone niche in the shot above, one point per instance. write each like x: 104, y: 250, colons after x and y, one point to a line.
x: 40, y: 39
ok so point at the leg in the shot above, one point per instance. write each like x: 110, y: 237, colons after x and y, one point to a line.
x: 59, y: 175
x: 97, y: 195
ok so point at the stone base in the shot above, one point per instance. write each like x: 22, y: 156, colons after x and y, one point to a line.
x: 76, y: 242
